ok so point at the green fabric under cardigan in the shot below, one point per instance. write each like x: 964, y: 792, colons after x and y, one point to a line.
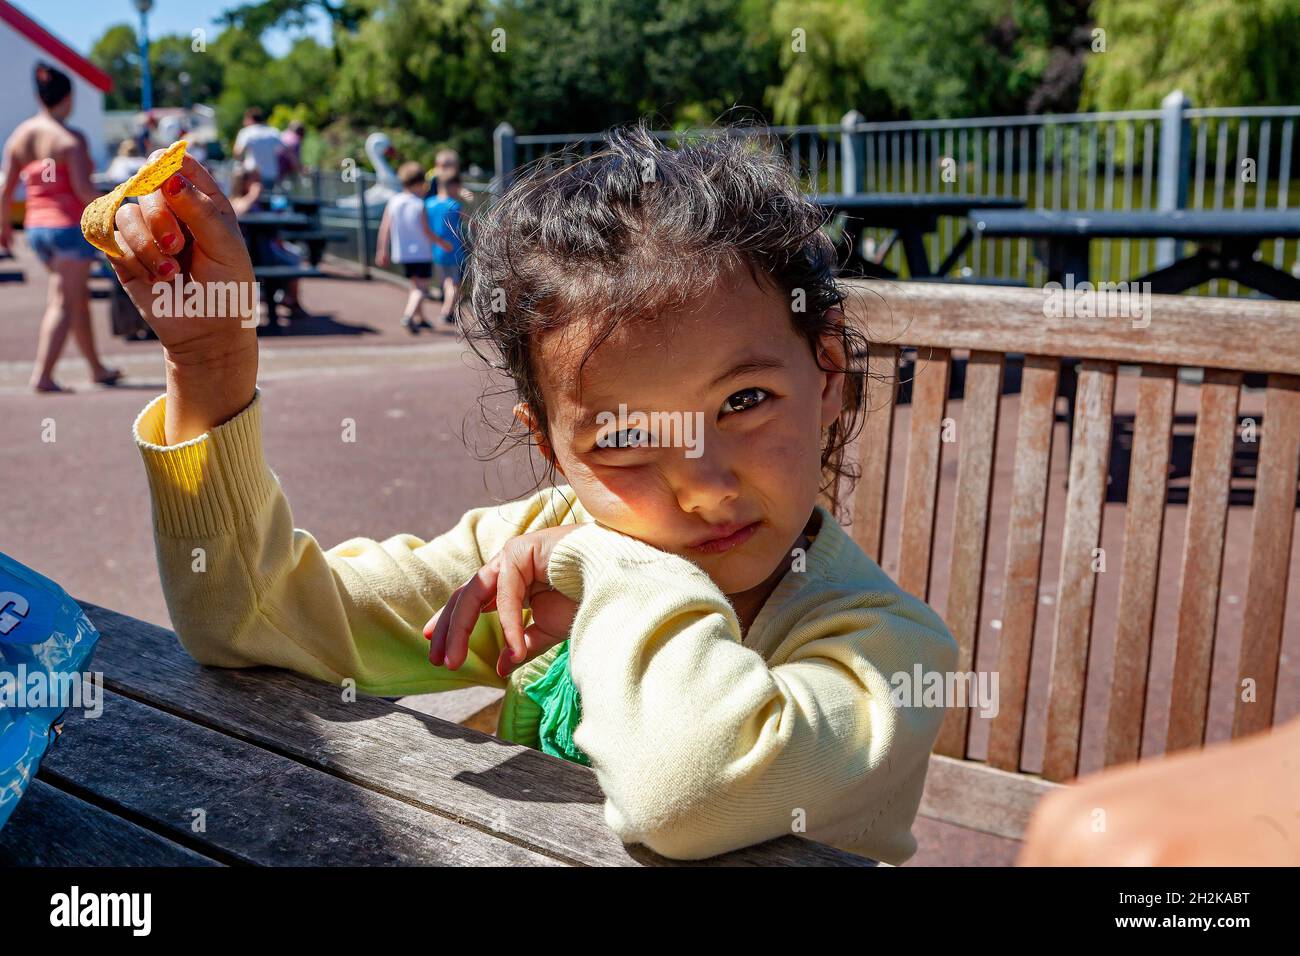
x: 541, y: 708
x: 561, y: 709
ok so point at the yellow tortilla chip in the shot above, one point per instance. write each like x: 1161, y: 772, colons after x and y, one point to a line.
x: 97, y: 219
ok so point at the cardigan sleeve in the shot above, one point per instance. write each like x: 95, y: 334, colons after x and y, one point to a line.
x: 245, y: 587
x: 701, y: 747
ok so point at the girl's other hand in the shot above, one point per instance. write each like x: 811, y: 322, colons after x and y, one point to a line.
x: 515, y: 578
x: 188, y: 227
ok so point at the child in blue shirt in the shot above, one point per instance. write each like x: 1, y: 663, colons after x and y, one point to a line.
x: 444, y: 214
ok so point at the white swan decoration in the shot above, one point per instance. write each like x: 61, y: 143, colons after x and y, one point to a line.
x: 378, y: 149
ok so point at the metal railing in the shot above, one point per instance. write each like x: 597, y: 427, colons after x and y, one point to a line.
x: 1176, y: 157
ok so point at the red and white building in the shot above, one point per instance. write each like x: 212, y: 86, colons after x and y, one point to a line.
x: 24, y: 43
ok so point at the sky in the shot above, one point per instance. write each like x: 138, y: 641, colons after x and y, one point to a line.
x: 79, y: 23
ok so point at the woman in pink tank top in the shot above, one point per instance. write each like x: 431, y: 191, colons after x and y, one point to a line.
x: 53, y: 161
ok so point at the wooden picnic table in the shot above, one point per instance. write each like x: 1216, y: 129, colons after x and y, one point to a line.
x: 911, y: 216
x: 260, y: 229
x: 260, y: 225
x: 198, y: 766
x: 1227, y: 242
x: 306, y: 205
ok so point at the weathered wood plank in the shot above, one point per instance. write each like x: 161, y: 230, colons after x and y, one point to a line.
x: 1202, y: 569
x: 255, y: 806
x: 977, y: 441
x: 980, y: 797
x: 1024, y: 556
x: 545, y: 804
x: 1089, y: 465
x: 1188, y: 330
x: 1270, y: 554
x: 921, y: 479
x: 872, y: 451
x: 52, y: 828
x: 1143, y: 530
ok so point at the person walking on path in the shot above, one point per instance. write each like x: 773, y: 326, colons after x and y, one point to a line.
x: 406, y: 239
x: 258, y: 147
x: 445, y: 217
x: 54, y: 160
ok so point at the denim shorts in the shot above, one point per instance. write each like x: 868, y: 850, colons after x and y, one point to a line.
x: 65, y: 242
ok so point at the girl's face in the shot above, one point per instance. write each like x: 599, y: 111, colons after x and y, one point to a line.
x: 743, y: 406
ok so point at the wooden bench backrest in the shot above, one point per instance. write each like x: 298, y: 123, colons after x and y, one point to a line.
x: 1226, y: 338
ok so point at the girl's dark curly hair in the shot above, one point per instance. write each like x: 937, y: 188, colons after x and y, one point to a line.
x: 635, y: 231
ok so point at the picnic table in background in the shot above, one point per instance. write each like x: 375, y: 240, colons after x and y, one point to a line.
x: 260, y: 229
x: 314, y: 237
x: 1227, y: 243
x: 190, y: 765
x: 306, y: 205
x: 911, y: 216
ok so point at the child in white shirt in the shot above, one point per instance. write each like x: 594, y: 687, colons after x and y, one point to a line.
x: 406, y: 239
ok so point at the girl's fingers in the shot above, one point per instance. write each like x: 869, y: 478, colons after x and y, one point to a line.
x: 510, y: 608
x: 540, y: 640
x: 137, y: 238
x: 135, y: 279
x: 130, y: 272
x: 211, y: 222
x: 198, y: 174
x: 438, y: 639
x: 553, y: 610
x: 537, y: 640
x: 166, y: 230
x: 465, y: 615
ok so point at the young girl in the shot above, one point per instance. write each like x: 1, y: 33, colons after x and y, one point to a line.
x: 700, y: 628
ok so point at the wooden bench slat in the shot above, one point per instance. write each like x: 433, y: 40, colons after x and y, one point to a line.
x: 979, y: 797
x: 1143, y: 529
x: 1202, y: 567
x: 1024, y: 556
x: 398, y: 752
x: 50, y: 827
x: 1089, y: 466
x: 921, y: 479
x: 873, y: 450
x: 259, y: 808
x: 1270, y: 554
x: 1188, y: 331
x: 977, y: 441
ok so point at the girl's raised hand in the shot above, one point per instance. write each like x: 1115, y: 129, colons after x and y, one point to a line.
x: 515, y: 578
x: 187, y: 227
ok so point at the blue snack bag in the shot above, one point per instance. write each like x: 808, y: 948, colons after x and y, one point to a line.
x: 45, y: 642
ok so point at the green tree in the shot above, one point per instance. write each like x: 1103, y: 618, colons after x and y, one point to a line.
x: 1218, y: 52
x: 171, y: 56
x: 825, y: 46
x: 926, y: 58
x: 244, y: 64
x: 344, y: 16
x: 575, y: 65
x: 117, y: 53
x: 703, y: 57
x: 425, y: 66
